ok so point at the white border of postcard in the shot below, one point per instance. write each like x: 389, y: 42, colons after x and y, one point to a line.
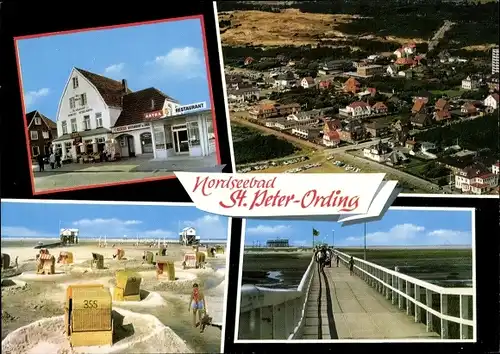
x: 172, y: 204
x: 330, y: 341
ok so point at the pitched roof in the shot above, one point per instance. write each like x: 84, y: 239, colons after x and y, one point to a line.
x: 495, y: 96
x: 50, y: 124
x: 379, y: 105
x: 440, y: 115
x: 309, y: 80
x: 334, y: 124
x: 418, y: 105
x: 405, y: 61
x: 361, y: 104
x: 352, y: 81
x: 110, y: 90
x: 333, y: 135
x: 419, y: 118
x: 137, y: 103
x: 469, y: 107
x: 441, y: 104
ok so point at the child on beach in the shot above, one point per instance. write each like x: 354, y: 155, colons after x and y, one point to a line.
x: 197, y: 303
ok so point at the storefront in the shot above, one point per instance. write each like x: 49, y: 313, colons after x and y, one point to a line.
x: 134, y: 139
x: 87, y: 143
x: 182, y: 131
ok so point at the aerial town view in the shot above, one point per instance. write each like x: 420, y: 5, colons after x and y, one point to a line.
x: 111, y: 279
x: 406, y: 88
x: 115, y: 117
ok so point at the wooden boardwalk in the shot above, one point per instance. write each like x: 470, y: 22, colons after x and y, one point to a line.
x: 341, y: 306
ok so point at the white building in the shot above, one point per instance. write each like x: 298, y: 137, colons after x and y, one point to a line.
x: 357, y: 109
x: 188, y: 236
x: 284, y: 81
x: 495, y: 168
x: 307, y: 82
x: 306, y: 132
x: 99, y: 114
x: 492, y: 101
x: 379, y: 152
x: 243, y: 95
x: 470, y: 83
x: 494, y: 61
x: 475, y: 181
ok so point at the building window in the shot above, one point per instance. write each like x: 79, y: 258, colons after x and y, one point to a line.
x: 45, y: 135
x: 100, y: 140
x: 74, y: 127
x: 64, y: 126
x: 34, y: 135
x: 98, y: 120
x: 38, y: 121
x: 193, y: 134
x: 35, y: 150
x: 83, y: 99
x: 67, y: 147
x: 86, y: 122
x: 75, y: 82
x: 72, y: 102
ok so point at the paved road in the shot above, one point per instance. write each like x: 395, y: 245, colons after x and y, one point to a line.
x: 341, y: 306
x: 439, y: 34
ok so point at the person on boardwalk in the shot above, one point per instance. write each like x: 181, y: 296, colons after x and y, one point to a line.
x: 337, y: 259
x: 198, y: 305
x: 351, y: 265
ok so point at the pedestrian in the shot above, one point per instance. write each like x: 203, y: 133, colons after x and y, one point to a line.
x: 351, y: 266
x: 198, y: 304
x: 52, y: 160
x: 337, y: 258
x: 41, y: 162
x: 58, y: 160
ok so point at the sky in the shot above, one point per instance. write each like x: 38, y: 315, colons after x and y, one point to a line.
x: 167, y: 55
x: 397, y: 228
x: 114, y: 221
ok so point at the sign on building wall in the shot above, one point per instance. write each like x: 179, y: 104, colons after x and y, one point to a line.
x: 190, y: 108
x: 129, y: 127
x: 179, y: 110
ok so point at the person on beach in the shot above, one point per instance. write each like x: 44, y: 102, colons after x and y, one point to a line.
x: 351, y: 265
x: 198, y: 305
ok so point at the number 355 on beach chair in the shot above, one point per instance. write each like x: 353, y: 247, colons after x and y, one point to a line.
x: 88, y: 315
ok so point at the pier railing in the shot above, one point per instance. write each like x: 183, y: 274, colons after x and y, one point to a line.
x: 269, y: 313
x: 448, y: 311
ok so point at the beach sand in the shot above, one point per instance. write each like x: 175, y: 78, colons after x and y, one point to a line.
x: 32, y: 304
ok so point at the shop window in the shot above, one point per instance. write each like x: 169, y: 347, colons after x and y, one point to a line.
x: 193, y: 133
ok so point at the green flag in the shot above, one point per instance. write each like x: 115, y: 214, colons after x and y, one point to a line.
x: 315, y: 232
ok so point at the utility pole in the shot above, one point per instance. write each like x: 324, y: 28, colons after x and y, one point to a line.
x: 364, y: 250
x: 333, y: 238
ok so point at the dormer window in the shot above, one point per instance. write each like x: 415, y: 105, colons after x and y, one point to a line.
x: 75, y: 82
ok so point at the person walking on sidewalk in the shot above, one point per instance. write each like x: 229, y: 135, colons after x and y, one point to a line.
x: 351, y: 266
x: 52, y: 160
x: 41, y: 162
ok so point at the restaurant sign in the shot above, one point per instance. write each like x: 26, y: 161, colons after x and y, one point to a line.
x: 129, y: 127
x: 153, y: 115
x: 179, y: 110
x: 190, y: 108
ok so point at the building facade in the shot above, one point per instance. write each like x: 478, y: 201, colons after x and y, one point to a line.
x: 41, y: 132
x: 494, y: 61
x: 97, y: 114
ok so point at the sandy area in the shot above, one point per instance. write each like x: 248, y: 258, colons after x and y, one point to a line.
x: 161, y: 314
x: 267, y: 29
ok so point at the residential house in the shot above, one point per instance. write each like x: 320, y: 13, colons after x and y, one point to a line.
x: 378, y: 152
x: 352, y: 86
x: 469, y: 109
x: 420, y: 120
x: 492, y: 101
x: 331, y: 66
x: 358, y: 109
x: 243, y: 95
x: 324, y: 84
x: 495, y: 168
x: 376, y: 129
x: 379, y: 108
x: 332, y: 125
x: 470, y: 83
x: 422, y: 95
x: 392, y: 70
x: 441, y: 115
x: 407, y: 74
x: 475, y: 179
x: 306, y: 115
x: 248, y: 61
x: 306, y: 132
x: 269, y: 110
x: 285, y: 80
x: 352, y: 131
x: 307, y: 82
x: 406, y: 50
x: 405, y: 63
x: 370, y: 91
x: 42, y: 131
x: 370, y: 70
x: 418, y: 106
x: 233, y: 82
x: 442, y: 105
x: 493, y: 84
x: 331, y: 138
x: 285, y: 124
x: 410, y: 144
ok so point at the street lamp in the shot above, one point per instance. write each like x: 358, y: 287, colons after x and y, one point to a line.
x: 333, y: 238
x: 364, y: 249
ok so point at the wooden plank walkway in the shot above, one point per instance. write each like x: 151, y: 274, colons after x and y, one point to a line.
x: 341, y: 306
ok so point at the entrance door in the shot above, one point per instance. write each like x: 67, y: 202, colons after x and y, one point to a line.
x: 146, y: 143
x: 131, y: 148
x: 181, y: 142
